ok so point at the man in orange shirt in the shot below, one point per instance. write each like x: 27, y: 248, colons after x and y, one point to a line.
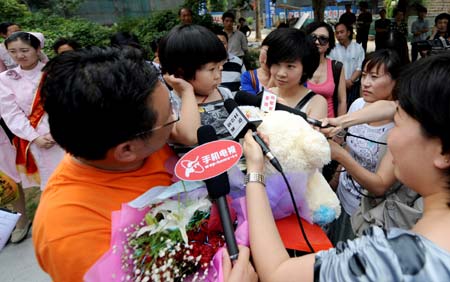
x: 109, y: 111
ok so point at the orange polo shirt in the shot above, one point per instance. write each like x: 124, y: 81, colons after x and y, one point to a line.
x: 72, y: 226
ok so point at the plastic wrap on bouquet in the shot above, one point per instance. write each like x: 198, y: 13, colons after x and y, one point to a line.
x: 112, y: 266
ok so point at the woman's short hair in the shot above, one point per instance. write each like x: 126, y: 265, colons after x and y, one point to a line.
x: 25, y: 37
x: 423, y: 92
x: 290, y: 45
x: 331, y: 40
x: 187, y: 48
x: 387, y: 58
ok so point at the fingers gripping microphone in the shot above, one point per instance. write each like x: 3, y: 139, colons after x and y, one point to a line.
x: 244, y: 125
x: 243, y: 98
x: 218, y: 187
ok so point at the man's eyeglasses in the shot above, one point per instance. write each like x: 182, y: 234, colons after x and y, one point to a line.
x: 323, y: 40
x: 174, y: 117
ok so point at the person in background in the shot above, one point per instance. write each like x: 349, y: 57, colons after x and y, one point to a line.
x: 419, y: 29
x: 398, y: 36
x: 253, y: 81
x: 37, y: 154
x: 440, y: 28
x: 185, y: 15
x: 6, y: 61
x: 233, y: 67
x: 420, y: 148
x: 363, y: 24
x: 323, y: 80
x: 243, y: 27
x: 351, y: 54
x: 348, y: 17
x: 381, y: 30
x: 63, y: 45
x: 237, y: 41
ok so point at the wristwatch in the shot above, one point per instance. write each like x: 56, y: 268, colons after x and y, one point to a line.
x: 255, y: 177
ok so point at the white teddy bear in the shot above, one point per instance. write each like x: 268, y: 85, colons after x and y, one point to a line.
x: 301, y: 150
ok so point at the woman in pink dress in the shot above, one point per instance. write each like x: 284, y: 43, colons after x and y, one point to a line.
x: 37, y: 154
x: 323, y: 82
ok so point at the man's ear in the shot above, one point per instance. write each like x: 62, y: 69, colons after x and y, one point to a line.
x: 442, y: 161
x: 125, y: 152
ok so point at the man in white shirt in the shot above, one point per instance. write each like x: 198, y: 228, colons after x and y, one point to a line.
x: 351, y: 54
x: 237, y: 41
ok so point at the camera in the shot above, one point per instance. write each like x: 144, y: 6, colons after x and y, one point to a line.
x: 434, y: 46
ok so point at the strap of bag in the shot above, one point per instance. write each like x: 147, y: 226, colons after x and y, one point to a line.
x: 305, y: 100
x: 253, y: 78
x: 336, y: 67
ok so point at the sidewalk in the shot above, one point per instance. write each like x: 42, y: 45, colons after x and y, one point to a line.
x: 18, y: 263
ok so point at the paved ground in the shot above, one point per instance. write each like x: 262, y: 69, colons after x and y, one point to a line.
x: 18, y: 264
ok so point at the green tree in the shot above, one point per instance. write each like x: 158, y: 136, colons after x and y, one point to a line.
x: 217, y: 5
x: 65, y: 8
x: 11, y: 10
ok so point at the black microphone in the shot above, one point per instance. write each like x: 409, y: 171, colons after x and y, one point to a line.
x: 244, y: 98
x: 218, y: 187
x: 233, y: 109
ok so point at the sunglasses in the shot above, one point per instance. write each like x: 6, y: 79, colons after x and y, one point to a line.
x: 323, y: 40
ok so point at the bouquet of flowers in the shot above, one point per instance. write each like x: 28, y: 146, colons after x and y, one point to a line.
x: 168, y: 234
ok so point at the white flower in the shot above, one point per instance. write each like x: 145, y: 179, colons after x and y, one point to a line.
x: 176, y: 216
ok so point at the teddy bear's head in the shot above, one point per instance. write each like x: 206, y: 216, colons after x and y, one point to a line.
x: 297, y: 146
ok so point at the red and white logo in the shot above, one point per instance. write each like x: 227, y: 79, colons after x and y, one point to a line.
x: 268, y: 102
x: 208, y: 160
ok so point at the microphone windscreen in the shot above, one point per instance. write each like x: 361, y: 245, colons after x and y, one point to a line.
x: 205, y: 134
x: 230, y: 105
x: 243, y: 98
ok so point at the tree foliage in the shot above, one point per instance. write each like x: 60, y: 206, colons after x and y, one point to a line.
x: 11, y: 10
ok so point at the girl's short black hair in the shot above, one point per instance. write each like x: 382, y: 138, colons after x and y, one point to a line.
x: 4, y: 27
x: 187, y: 48
x: 290, y: 45
x: 331, y: 40
x: 25, y: 37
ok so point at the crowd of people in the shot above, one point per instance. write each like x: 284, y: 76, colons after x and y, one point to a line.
x: 96, y: 127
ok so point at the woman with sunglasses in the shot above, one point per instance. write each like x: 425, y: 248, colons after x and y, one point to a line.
x: 324, y: 78
x: 21, y: 108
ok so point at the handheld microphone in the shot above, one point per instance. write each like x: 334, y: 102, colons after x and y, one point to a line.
x: 243, y: 98
x: 243, y: 125
x: 218, y: 187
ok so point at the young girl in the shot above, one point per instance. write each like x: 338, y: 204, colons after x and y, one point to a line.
x: 195, y: 54
x: 292, y: 59
x: 20, y: 107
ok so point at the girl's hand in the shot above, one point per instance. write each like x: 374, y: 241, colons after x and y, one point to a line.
x: 179, y: 85
x: 253, y: 153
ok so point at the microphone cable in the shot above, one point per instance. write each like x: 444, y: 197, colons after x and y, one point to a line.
x: 297, y: 214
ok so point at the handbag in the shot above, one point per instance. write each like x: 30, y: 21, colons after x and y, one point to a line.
x: 400, y: 207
